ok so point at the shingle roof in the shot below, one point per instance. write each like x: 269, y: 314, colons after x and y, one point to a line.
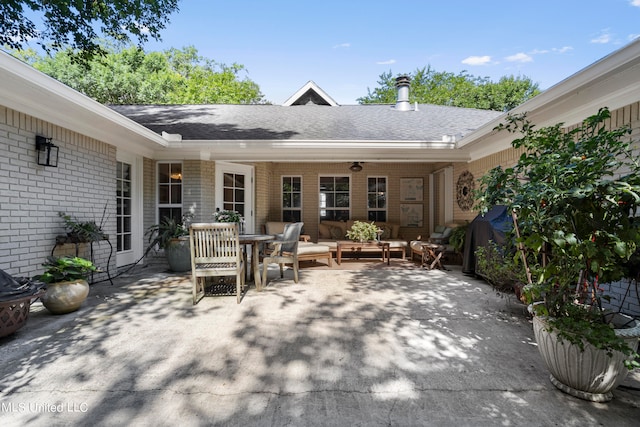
x: 309, y: 122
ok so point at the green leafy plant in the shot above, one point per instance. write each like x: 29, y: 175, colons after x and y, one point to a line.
x: 83, y: 231
x: 65, y: 269
x: 456, y: 240
x: 574, y: 194
x: 169, y: 228
x: 362, y: 231
x: 499, y: 266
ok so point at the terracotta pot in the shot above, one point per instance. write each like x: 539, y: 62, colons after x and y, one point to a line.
x: 590, y: 374
x: 65, y: 297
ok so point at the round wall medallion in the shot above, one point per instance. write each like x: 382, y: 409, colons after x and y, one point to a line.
x: 464, y: 190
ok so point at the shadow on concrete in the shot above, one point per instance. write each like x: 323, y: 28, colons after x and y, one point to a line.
x: 395, y: 346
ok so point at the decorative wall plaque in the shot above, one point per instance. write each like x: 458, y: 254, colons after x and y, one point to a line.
x: 464, y: 190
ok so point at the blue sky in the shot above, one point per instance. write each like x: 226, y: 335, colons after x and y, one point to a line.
x: 345, y: 45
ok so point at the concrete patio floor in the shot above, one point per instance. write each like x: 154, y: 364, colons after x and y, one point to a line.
x: 356, y: 346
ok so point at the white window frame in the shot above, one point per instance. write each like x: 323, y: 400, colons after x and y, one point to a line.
x: 320, y: 206
x: 282, y: 208
x: 168, y: 205
x: 386, y: 192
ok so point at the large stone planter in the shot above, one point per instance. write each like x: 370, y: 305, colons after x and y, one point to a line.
x: 65, y: 297
x: 590, y: 374
x: 178, y: 254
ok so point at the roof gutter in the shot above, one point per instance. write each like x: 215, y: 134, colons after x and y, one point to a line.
x: 32, y: 92
x: 316, y: 151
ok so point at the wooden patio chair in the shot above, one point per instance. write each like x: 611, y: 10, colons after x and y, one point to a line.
x: 215, y: 252
x: 285, y: 251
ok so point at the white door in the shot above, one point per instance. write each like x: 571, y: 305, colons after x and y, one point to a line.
x: 234, y: 191
x: 129, y: 233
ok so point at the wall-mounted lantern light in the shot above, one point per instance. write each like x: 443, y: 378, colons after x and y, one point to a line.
x: 47, y: 152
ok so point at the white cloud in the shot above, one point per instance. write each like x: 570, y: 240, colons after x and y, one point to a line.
x: 633, y: 36
x: 387, y: 62
x: 603, y: 38
x: 563, y: 49
x: 477, y: 60
x: 143, y: 29
x: 635, y: 3
x: 519, y: 57
x: 342, y: 45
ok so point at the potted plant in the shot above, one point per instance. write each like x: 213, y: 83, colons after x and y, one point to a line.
x: 82, y: 231
x: 456, y: 240
x: 66, y: 283
x: 226, y: 216
x: 229, y: 216
x: 573, y: 195
x: 173, y: 237
x: 362, y: 231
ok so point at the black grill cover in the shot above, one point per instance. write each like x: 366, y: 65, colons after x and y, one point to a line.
x: 492, y: 226
x: 14, y: 288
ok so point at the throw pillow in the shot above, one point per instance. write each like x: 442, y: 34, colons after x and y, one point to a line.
x: 336, y: 233
x: 324, y: 231
x: 386, y: 232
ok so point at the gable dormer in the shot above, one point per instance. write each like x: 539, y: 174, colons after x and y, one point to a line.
x: 310, y: 94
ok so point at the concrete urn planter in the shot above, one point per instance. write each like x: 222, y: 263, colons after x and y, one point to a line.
x: 178, y: 254
x: 65, y: 297
x: 590, y: 374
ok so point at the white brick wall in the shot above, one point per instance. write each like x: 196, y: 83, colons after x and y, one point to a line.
x: 31, y: 195
x: 625, y: 297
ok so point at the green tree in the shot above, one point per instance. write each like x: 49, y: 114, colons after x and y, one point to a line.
x: 73, y: 24
x: 458, y: 90
x: 131, y: 76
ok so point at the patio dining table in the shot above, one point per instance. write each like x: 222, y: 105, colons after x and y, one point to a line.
x: 255, y: 240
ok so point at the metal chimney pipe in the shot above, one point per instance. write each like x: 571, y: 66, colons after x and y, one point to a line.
x: 402, y: 84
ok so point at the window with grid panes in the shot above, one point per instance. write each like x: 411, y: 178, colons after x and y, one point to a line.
x: 291, y: 198
x: 335, y: 198
x: 170, y: 191
x: 377, y: 198
x: 234, y: 191
x: 124, y: 202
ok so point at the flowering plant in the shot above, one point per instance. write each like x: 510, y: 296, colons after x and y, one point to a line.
x: 362, y: 231
x: 227, y: 216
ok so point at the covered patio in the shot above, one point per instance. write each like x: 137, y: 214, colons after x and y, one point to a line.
x: 388, y: 345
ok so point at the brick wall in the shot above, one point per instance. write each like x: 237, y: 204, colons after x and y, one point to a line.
x: 83, y: 185
x: 198, y: 192
x: 149, y: 194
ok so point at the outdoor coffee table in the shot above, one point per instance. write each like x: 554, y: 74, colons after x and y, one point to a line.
x: 357, y: 247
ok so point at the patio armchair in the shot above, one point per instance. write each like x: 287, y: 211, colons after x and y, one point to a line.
x: 307, y: 250
x: 285, y: 251
x: 215, y: 252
